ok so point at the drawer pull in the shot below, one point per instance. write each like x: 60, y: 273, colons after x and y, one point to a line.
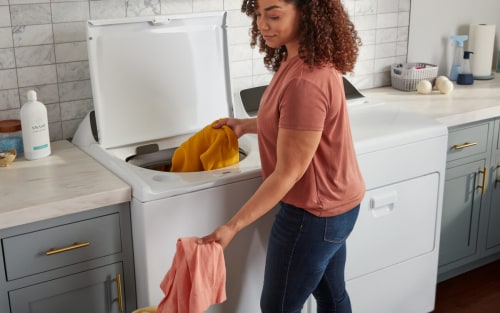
x: 74, y: 246
x: 483, y: 186
x: 464, y: 145
x: 119, y: 291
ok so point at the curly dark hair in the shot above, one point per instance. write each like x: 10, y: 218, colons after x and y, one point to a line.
x: 327, y: 35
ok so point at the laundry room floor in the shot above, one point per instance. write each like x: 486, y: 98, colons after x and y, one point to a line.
x: 477, y: 291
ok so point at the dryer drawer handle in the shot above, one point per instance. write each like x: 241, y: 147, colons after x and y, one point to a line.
x: 74, y: 246
x: 383, y: 204
x: 464, y: 145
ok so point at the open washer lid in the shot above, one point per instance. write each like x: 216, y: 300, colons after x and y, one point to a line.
x: 158, y: 77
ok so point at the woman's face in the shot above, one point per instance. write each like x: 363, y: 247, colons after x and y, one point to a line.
x: 278, y: 23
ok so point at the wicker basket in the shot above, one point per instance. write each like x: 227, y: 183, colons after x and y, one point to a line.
x: 406, y: 76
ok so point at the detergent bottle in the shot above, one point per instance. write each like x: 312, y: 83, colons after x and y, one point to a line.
x: 465, y: 76
x: 35, y: 128
x: 458, y: 41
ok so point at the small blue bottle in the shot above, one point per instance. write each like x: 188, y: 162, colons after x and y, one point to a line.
x: 465, y: 77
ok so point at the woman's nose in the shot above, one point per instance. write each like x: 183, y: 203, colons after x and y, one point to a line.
x: 262, y: 25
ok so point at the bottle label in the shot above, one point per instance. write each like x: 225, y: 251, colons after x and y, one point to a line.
x: 40, y: 147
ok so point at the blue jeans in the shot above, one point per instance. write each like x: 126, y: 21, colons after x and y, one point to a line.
x: 306, y: 255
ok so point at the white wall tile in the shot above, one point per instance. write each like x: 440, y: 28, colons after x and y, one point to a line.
x: 207, y: 5
x: 37, y: 75
x: 55, y: 131
x: 232, y: 5
x: 108, y: 9
x: 69, y: 127
x: 367, y: 22
x: 4, y: 16
x: 385, y: 35
x: 6, y: 37
x: 365, y: 7
x: 9, y: 99
x: 364, y: 67
x: 70, y: 32
x: 73, y: 71
x: 385, y: 50
x: 8, y: 79
x: 77, y: 90
x: 7, y: 59
x: 29, y: 14
x: 143, y: 8
x: 387, y: 6
x: 387, y: 20
x: 172, y: 7
x: 241, y: 68
x: 35, y: 55
x: 71, y: 51
x: 404, y: 19
x: 75, y: 109
x: 30, y: 35
x: 70, y: 11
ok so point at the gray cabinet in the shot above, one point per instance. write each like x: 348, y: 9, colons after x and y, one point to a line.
x: 470, y: 225
x: 77, y: 263
x: 493, y: 234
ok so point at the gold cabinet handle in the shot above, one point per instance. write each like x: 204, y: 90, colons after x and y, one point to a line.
x: 483, y: 186
x: 464, y: 145
x: 76, y: 245
x: 119, y: 291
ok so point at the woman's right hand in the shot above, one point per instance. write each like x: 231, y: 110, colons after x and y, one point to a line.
x: 239, y: 126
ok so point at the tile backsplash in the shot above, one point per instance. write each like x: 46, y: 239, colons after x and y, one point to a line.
x: 43, y: 47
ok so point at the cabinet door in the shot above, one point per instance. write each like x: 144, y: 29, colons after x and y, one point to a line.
x: 493, y: 239
x: 461, y: 206
x: 93, y: 291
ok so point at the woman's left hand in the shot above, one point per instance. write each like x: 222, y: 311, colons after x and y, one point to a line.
x: 222, y: 235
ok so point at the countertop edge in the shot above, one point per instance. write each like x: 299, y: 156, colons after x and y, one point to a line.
x: 65, y: 207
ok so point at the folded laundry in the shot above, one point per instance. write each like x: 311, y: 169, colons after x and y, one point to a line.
x: 196, y: 279
x: 208, y: 149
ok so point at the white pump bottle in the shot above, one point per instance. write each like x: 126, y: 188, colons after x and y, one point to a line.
x: 35, y: 128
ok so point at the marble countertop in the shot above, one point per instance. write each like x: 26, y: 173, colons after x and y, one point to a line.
x: 68, y: 181
x: 465, y: 104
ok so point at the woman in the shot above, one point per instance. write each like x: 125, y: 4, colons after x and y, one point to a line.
x: 308, y: 160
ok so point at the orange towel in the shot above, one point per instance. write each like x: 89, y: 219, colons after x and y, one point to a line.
x: 208, y: 149
x: 196, y: 279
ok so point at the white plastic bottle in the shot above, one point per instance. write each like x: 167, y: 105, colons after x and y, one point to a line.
x: 35, y: 128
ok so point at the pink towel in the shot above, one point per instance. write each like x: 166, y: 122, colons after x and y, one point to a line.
x: 196, y: 279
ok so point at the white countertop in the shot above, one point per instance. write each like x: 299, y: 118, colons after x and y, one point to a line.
x: 466, y: 104
x: 68, y: 181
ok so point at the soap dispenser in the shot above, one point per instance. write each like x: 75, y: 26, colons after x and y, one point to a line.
x: 465, y: 76
x: 458, y: 55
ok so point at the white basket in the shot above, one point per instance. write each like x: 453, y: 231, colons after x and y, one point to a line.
x: 406, y: 76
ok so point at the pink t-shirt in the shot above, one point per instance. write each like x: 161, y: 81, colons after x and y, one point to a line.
x: 302, y: 98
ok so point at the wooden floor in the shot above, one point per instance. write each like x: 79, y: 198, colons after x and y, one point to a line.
x: 477, y: 291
